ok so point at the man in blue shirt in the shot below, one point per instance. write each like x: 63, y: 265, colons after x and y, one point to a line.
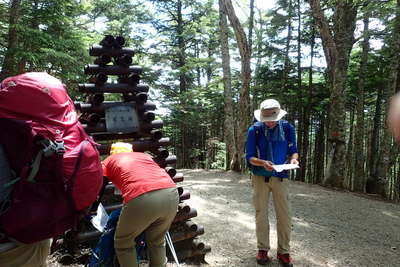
x: 271, y: 141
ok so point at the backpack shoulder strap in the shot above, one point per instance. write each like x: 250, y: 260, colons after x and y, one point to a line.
x: 258, y: 131
x: 286, y: 129
x: 285, y: 126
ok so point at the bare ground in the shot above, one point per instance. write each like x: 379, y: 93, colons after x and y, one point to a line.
x: 330, y: 228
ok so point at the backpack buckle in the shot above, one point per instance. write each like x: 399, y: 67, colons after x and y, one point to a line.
x: 51, y: 147
x: 59, y: 147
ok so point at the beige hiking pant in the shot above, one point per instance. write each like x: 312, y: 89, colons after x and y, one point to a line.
x: 280, y: 195
x: 152, y: 212
x: 27, y: 255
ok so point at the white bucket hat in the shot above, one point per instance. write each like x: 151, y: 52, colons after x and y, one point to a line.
x: 270, y: 110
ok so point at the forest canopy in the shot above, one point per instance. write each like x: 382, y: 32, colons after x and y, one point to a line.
x: 333, y: 65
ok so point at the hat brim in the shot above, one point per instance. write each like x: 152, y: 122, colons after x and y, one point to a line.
x: 275, y: 117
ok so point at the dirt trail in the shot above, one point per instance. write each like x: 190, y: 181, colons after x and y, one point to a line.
x: 330, y: 228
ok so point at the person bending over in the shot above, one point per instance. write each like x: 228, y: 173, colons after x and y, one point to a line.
x: 150, y: 203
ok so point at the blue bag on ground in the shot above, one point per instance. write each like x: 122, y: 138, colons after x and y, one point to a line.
x: 103, y: 254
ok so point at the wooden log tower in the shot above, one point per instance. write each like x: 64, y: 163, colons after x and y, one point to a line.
x: 130, y: 119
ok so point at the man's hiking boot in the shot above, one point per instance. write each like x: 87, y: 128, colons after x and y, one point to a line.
x: 285, y: 260
x: 262, y: 257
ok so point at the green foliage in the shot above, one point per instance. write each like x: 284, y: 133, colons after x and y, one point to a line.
x: 186, y: 50
x: 219, y: 161
x: 50, y: 39
x: 122, y: 17
x: 177, y: 43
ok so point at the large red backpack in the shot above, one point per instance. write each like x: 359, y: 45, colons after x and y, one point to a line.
x: 55, y: 172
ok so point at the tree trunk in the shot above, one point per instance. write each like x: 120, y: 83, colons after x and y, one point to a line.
x: 10, y: 61
x: 319, y: 151
x: 244, y: 102
x: 260, y: 42
x: 307, y: 111
x: 359, y: 159
x: 387, y: 152
x: 349, y: 155
x: 300, y: 175
x: 309, y: 178
x: 198, y: 70
x: 337, y: 50
x: 184, y: 153
x: 209, y: 68
x: 374, y: 142
x: 229, y: 129
x: 251, y: 26
x: 336, y: 135
x: 286, y: 65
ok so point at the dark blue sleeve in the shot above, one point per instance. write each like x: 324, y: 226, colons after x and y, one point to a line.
x: 292, y: 140
x: 251, y: 150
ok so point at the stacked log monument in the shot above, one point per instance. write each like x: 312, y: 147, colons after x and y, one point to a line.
x: 132, y: 120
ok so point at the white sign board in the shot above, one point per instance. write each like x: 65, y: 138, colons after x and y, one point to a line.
x: 122, y: 118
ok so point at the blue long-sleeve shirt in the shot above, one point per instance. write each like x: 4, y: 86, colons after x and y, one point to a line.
x: 281, y: 149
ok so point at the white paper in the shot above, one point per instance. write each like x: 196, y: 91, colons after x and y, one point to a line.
x: 283, y: 167
x: 100, y: 220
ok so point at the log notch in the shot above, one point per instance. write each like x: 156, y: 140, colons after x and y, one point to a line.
x: 131, y: 120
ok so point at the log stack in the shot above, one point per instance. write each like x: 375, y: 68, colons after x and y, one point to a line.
x: 132, y: 120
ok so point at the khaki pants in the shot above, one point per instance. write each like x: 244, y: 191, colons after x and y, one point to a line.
x: 280, y: 195
x: 153, y: 213
x: 27, y: 255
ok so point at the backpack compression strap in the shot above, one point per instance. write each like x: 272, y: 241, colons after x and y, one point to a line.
x: 49, y: 149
